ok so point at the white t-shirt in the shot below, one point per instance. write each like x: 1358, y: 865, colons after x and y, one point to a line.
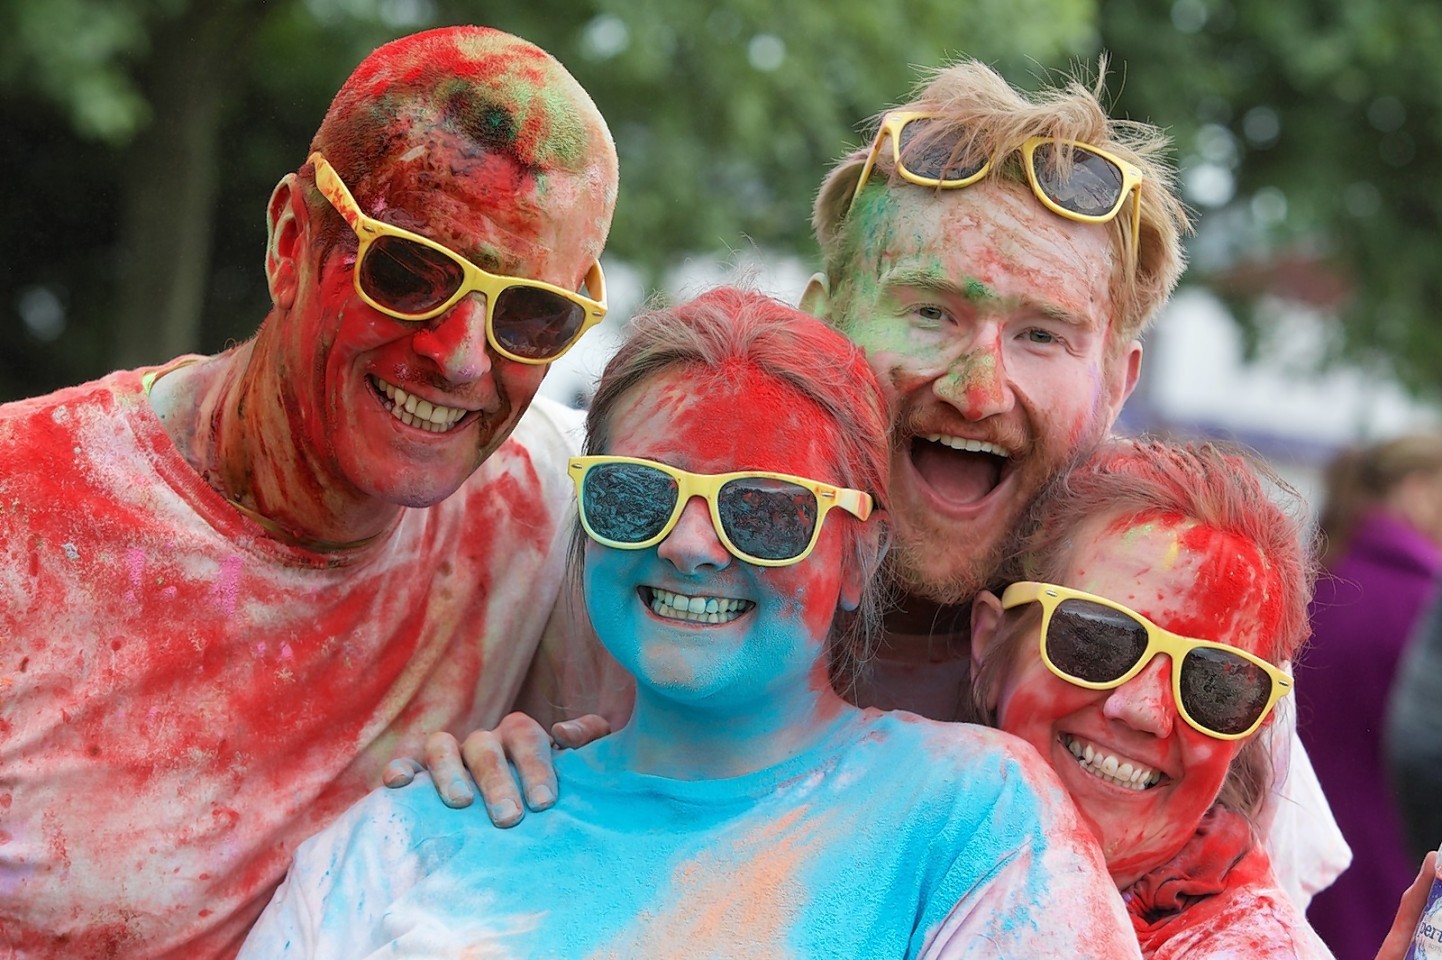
x: 184, y: 700
x: 894, y: 837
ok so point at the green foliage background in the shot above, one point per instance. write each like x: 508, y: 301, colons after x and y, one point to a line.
x: 143, y: 138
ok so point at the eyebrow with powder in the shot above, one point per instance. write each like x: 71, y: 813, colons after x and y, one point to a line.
x: 927, y: 279
x: 974, y: 291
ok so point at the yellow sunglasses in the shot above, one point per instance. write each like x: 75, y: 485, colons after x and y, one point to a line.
x: 1092, y: 191
x: 769, y: 519
x: 1220, y: 690
x: 413, y: 278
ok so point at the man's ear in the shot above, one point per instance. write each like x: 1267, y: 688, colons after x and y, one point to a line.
x: 816, y: 298
x: 1122, y: 375
x: 986, y: 619
x: 286, y: 220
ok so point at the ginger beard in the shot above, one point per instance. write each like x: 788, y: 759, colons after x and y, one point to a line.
x: 989, y: 319
x: 1141, y: 776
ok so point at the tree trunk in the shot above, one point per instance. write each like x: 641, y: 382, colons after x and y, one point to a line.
x: 170, y: 178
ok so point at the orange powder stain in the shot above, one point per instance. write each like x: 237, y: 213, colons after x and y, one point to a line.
x: 740, y: 903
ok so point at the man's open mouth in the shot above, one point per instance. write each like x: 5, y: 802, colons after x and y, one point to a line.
x: 959, y: 470
x: 413, y: 411
x: 697, y: 609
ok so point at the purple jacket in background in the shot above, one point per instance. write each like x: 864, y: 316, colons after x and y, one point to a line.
x: 1362, y: 616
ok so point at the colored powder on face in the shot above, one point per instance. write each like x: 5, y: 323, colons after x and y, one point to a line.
x: 801, y: 431
x: 1233, y: 596
x: 1231, y: 572
x: 1129, y: 527
x: 975, y: 378
x: 977, y: 291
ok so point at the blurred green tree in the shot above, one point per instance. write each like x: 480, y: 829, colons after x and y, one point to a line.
x: 147, y: 135
x: 144, y: 136
x: 1310, y: 133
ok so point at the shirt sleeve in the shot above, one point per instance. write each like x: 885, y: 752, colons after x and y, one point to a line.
x: 1302, y: 838
x: 1082, y: 916
x: 340, y: 883
x: 1048, y: 897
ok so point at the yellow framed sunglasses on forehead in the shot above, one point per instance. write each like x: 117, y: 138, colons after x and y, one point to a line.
x: 1093, y: 189
x: 769, y: 519
x: 1090, y: 641
x: 413, y: 278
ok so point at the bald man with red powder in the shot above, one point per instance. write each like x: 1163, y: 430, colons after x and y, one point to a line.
x: 232, y: 586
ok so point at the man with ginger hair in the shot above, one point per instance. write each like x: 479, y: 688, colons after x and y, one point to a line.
x: 232, y: 586
x: 1000, y: 277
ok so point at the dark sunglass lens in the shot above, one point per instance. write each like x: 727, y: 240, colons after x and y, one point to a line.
x: 627, y: 502
x: 931, y: 156
x: 534, y: 323
x: 1092, y: 642
x: 408, y: 277
x: 1222, y: 691
x: 1091, y: 188
x: 768, y: 519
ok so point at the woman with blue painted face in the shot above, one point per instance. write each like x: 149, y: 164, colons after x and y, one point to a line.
x: 731, y: 520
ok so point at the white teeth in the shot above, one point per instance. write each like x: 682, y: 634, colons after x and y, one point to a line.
x: 676, y: 606
x: 967, y: 446
x: 415, y: 412
x: 1123, y: 773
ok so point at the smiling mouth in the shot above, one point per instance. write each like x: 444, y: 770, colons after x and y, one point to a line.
x: 415, y: 412
x: 699, y: 609
x: 959, y: 470
x: 1127, y: 774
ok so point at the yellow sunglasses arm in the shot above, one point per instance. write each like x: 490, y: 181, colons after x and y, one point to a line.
x: 1020, y: 592
x: 854, y: 502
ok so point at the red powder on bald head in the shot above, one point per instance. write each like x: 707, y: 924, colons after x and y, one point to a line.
x: 499, y: 91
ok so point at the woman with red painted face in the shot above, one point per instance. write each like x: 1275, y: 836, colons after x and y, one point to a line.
x: 1142, y: 653
x: 730, y: 524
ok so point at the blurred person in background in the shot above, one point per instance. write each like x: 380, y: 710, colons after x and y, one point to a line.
x: 1414, y: 721
x: 1382, y: 519
x: 1413, y: 738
